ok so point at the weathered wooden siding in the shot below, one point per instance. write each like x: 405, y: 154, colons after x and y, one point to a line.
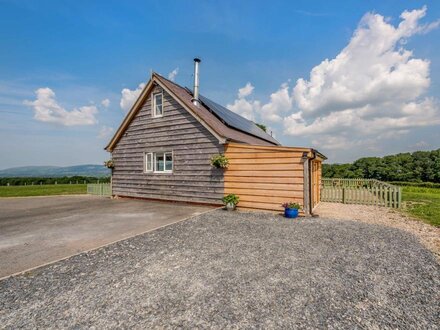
x: 264, y: 177
x: 193, y: 179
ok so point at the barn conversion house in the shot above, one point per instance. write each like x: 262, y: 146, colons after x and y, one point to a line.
x: 162, y: 151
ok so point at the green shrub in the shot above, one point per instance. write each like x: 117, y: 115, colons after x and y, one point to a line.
x: 291, y: 205
x: 220, y: 161
x: 231, y: 198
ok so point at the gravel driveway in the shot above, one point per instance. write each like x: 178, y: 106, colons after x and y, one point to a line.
x: 236, y: 270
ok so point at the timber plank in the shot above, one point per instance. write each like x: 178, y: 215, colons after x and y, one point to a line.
x: 271, y: 155
x: 269, y: 160
x: 274, y: 180
x: 264, y: 186
x: 274, y: 167
x: 265, y: 193
x: 266, y: 173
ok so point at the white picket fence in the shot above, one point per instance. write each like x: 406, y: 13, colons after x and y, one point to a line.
x: 99, y: 189
x: 361, y: 191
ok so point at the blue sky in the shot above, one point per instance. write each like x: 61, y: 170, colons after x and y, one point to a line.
x: 361, y: 103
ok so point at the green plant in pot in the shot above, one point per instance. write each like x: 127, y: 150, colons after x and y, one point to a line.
x: 231, y: 201
x: 109, y: 163
x: 291, y: 209
x: 219, y: 161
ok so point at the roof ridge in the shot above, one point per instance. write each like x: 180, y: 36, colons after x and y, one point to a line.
x: 170, y: 81
x: 211, y: 106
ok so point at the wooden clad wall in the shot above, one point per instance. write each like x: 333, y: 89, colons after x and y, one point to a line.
x: 264, y: 177
x: 316, y: 182
x: 193, y: 179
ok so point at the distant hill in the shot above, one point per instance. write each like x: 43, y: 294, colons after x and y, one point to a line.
x: 56, y: 171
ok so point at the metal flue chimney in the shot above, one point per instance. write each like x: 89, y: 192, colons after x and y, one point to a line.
x: 195, y: 99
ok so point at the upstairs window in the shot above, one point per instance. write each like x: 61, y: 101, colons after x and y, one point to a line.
x: 157, y: 105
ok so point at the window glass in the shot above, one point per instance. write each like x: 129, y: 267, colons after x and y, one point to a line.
x: 158, y: 105
x: 168, y: 161
x: 148, y: 162
x: 160, y: 162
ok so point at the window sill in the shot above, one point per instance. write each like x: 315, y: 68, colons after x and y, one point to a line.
x: 158, y: 172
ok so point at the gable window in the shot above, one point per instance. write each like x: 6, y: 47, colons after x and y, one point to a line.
x: 157, y: 105
x: 159, y: 162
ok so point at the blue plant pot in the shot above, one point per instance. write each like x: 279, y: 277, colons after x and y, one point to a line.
x: 291, y: 213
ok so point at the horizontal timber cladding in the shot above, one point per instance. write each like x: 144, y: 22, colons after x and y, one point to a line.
x: 193, y: 179
x: 265, y: 177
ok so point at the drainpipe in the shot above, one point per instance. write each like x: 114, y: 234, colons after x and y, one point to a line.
x: 310, y: 178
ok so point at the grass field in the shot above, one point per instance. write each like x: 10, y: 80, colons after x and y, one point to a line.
x: 420, y: 202
x: 423, y: 203
x: 43, y: 190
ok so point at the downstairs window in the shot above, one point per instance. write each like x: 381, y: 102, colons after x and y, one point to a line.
x: 159, y: 162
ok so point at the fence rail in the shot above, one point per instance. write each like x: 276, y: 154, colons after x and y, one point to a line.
x: 99, y: 189
x: 361, y: 191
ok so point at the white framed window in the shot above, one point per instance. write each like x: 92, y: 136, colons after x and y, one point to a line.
x: 163, y: 162
x: 159, y: 162
x: 149, y: 164
x: 157, y: 105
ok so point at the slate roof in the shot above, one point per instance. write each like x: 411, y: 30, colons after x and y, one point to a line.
x: 228, y: 125
x: 227, y: 117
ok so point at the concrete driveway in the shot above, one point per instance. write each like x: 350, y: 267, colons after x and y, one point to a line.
x: 39, y: 230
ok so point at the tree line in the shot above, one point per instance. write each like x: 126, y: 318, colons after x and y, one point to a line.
x: 419, y: 166
x: 21, y: 181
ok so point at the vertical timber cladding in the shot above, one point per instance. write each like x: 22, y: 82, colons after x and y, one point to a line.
x: 265, y: 177
x: 316, y: 166
x: 193, y: 179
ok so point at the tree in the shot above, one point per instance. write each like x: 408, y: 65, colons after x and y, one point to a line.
x: 262, y: 126
x: 419, y: 166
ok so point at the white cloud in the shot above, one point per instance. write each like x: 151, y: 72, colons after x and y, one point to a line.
x: 373, y: 68
x: 105, y: 103
x: 130, y: 96
x: 373, y: 89
x: 244, y: 107
x: 46, y: 109
x: 420, y: 144
x: 280, y: 103
x: 245, y: 91
x: 105, y: 132
x: 172, y: 75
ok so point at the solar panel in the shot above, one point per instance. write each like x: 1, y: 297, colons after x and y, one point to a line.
x: 234, y: 120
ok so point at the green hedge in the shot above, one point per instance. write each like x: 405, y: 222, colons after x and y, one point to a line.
x: 18, y: 181
x: 416, y: 184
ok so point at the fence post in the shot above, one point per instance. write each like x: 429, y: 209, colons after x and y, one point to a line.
x: 343, y: 195
x: 399, y: 201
